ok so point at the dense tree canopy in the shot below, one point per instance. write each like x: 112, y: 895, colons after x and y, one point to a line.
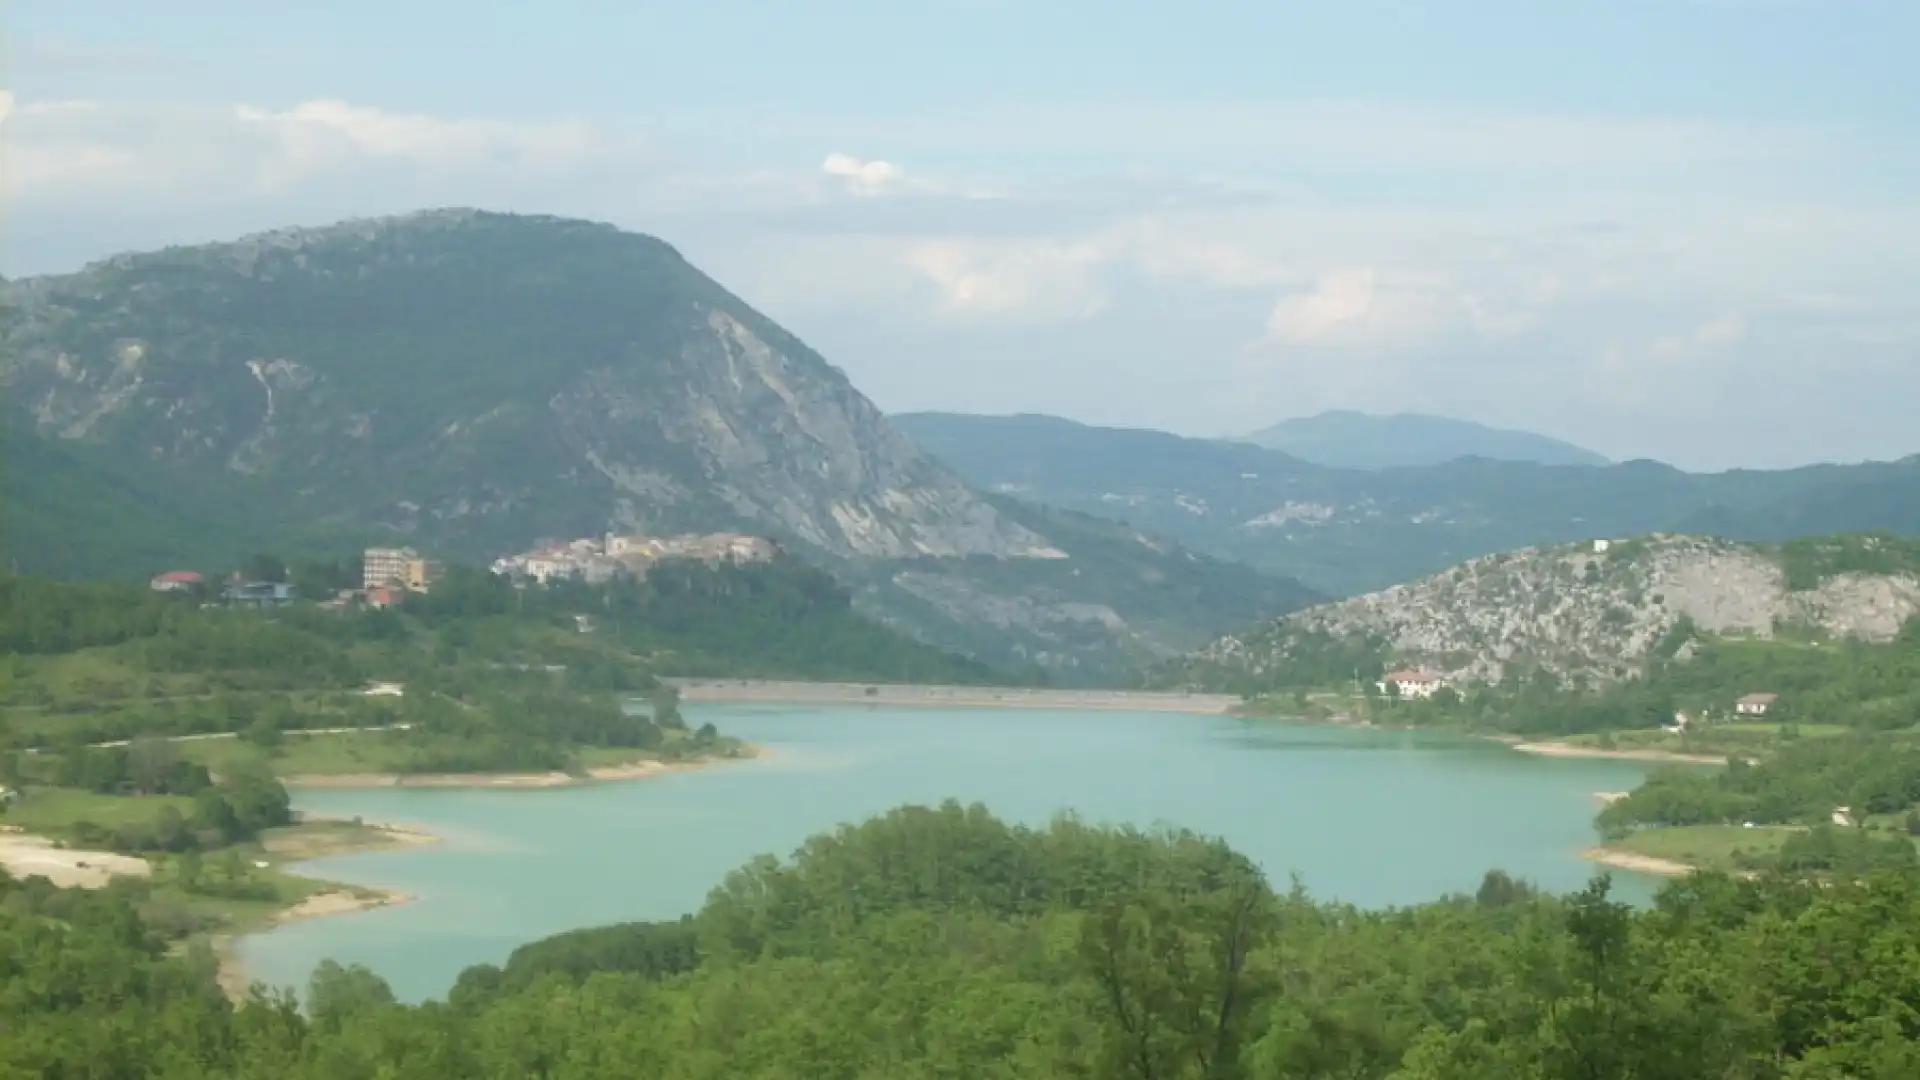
x: 942, y: 943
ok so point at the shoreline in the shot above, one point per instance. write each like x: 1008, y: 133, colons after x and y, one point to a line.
x: 1620, y: 859
x: 596, y: 774
x: 1575, y: 750
x: 911, y: 695
x: 329, y: 898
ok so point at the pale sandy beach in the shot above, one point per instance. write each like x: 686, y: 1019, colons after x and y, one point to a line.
x: 1574, y: 750
x: 1640, y: 864
x: 599, y: 774
x: 25, y: 855
x: 756, y: 691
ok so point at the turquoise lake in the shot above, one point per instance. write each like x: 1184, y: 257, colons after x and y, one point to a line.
x: 1372, y: 817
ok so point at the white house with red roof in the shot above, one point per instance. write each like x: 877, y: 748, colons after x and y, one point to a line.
x: 178, y: 581
x: 1411, y: 684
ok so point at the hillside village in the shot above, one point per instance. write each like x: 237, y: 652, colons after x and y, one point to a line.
x: 600, y: 560
x: 388, y: 574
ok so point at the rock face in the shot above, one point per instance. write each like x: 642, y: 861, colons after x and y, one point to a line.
x: 1581, y: 612
x: 480, y: 379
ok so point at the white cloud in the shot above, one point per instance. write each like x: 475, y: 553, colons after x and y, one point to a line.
x: 1235, y: 294
x: 864, y: 177
x: 1044, y: 281
x: 1341, y: 301
x: 83, y: 152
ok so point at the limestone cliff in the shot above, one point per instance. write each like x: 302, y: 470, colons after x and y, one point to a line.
x: 1595, y: 611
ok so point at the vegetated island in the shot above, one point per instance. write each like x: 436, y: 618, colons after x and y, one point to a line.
x: 149, y: 733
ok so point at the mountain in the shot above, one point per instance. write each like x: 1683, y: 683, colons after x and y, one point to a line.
x: 1125, y: 601
x: 477, y: 379
x: 1355, y: 440
x: 468, y: 382
x: 1349, y: 531
x: 1593, y: 612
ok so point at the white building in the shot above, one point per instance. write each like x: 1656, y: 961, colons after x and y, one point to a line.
x: 1411, y: 684
x: 1755, y: 704
x: 384, y: 566
x: 548, y: 566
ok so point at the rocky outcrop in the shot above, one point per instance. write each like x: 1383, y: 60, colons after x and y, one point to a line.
x: 1590, y: 611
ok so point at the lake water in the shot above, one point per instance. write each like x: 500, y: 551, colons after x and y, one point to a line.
x: 1376, y: 818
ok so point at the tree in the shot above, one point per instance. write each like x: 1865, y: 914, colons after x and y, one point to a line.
x: 264, y: 567
x: 336, y: 994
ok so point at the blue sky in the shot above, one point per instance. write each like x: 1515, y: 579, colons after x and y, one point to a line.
x: 1685, y: 229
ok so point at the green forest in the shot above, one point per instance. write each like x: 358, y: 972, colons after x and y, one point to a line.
x: 943, y: 943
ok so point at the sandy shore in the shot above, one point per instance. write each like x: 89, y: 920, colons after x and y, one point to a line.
x: 25, y: 855
x: 232, y: 975
x: 752, y: 691
x: 598, y: 774
x: 1639, y: 864
x: 1575, y: 750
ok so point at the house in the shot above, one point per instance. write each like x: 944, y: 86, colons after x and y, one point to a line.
x: 385, y: 596
x: 1411, y: 684
x: 178, y: 581
x: 258, y: 593
x: 1755, y: 704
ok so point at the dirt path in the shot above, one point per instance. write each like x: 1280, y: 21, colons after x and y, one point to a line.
x: 25, y: 855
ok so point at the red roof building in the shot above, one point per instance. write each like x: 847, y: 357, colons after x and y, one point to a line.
x: 177, y: 581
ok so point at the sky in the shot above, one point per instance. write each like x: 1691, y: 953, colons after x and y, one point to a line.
x: 1679, y: 229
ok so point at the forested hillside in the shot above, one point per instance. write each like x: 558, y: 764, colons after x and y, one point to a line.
x: 944, y: 943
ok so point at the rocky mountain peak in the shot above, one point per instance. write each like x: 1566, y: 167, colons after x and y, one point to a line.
x: 480, y: 379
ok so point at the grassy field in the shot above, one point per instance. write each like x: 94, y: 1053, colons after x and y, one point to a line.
x: 1709, y: 847
x: 331, y: 754
x: 55, y: 811
x: 1747, y: 738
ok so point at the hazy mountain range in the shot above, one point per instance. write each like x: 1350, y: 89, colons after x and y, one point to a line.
x: 1349, y: 531
x: 1355, y: 440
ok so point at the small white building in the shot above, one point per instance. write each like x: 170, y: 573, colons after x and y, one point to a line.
x: 1755, y: 704
x: 1412, y: 684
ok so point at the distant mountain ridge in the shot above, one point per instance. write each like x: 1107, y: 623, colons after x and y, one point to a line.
x: 1351, y: 531
x: 1347, y: 439
x: 468, y: 382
